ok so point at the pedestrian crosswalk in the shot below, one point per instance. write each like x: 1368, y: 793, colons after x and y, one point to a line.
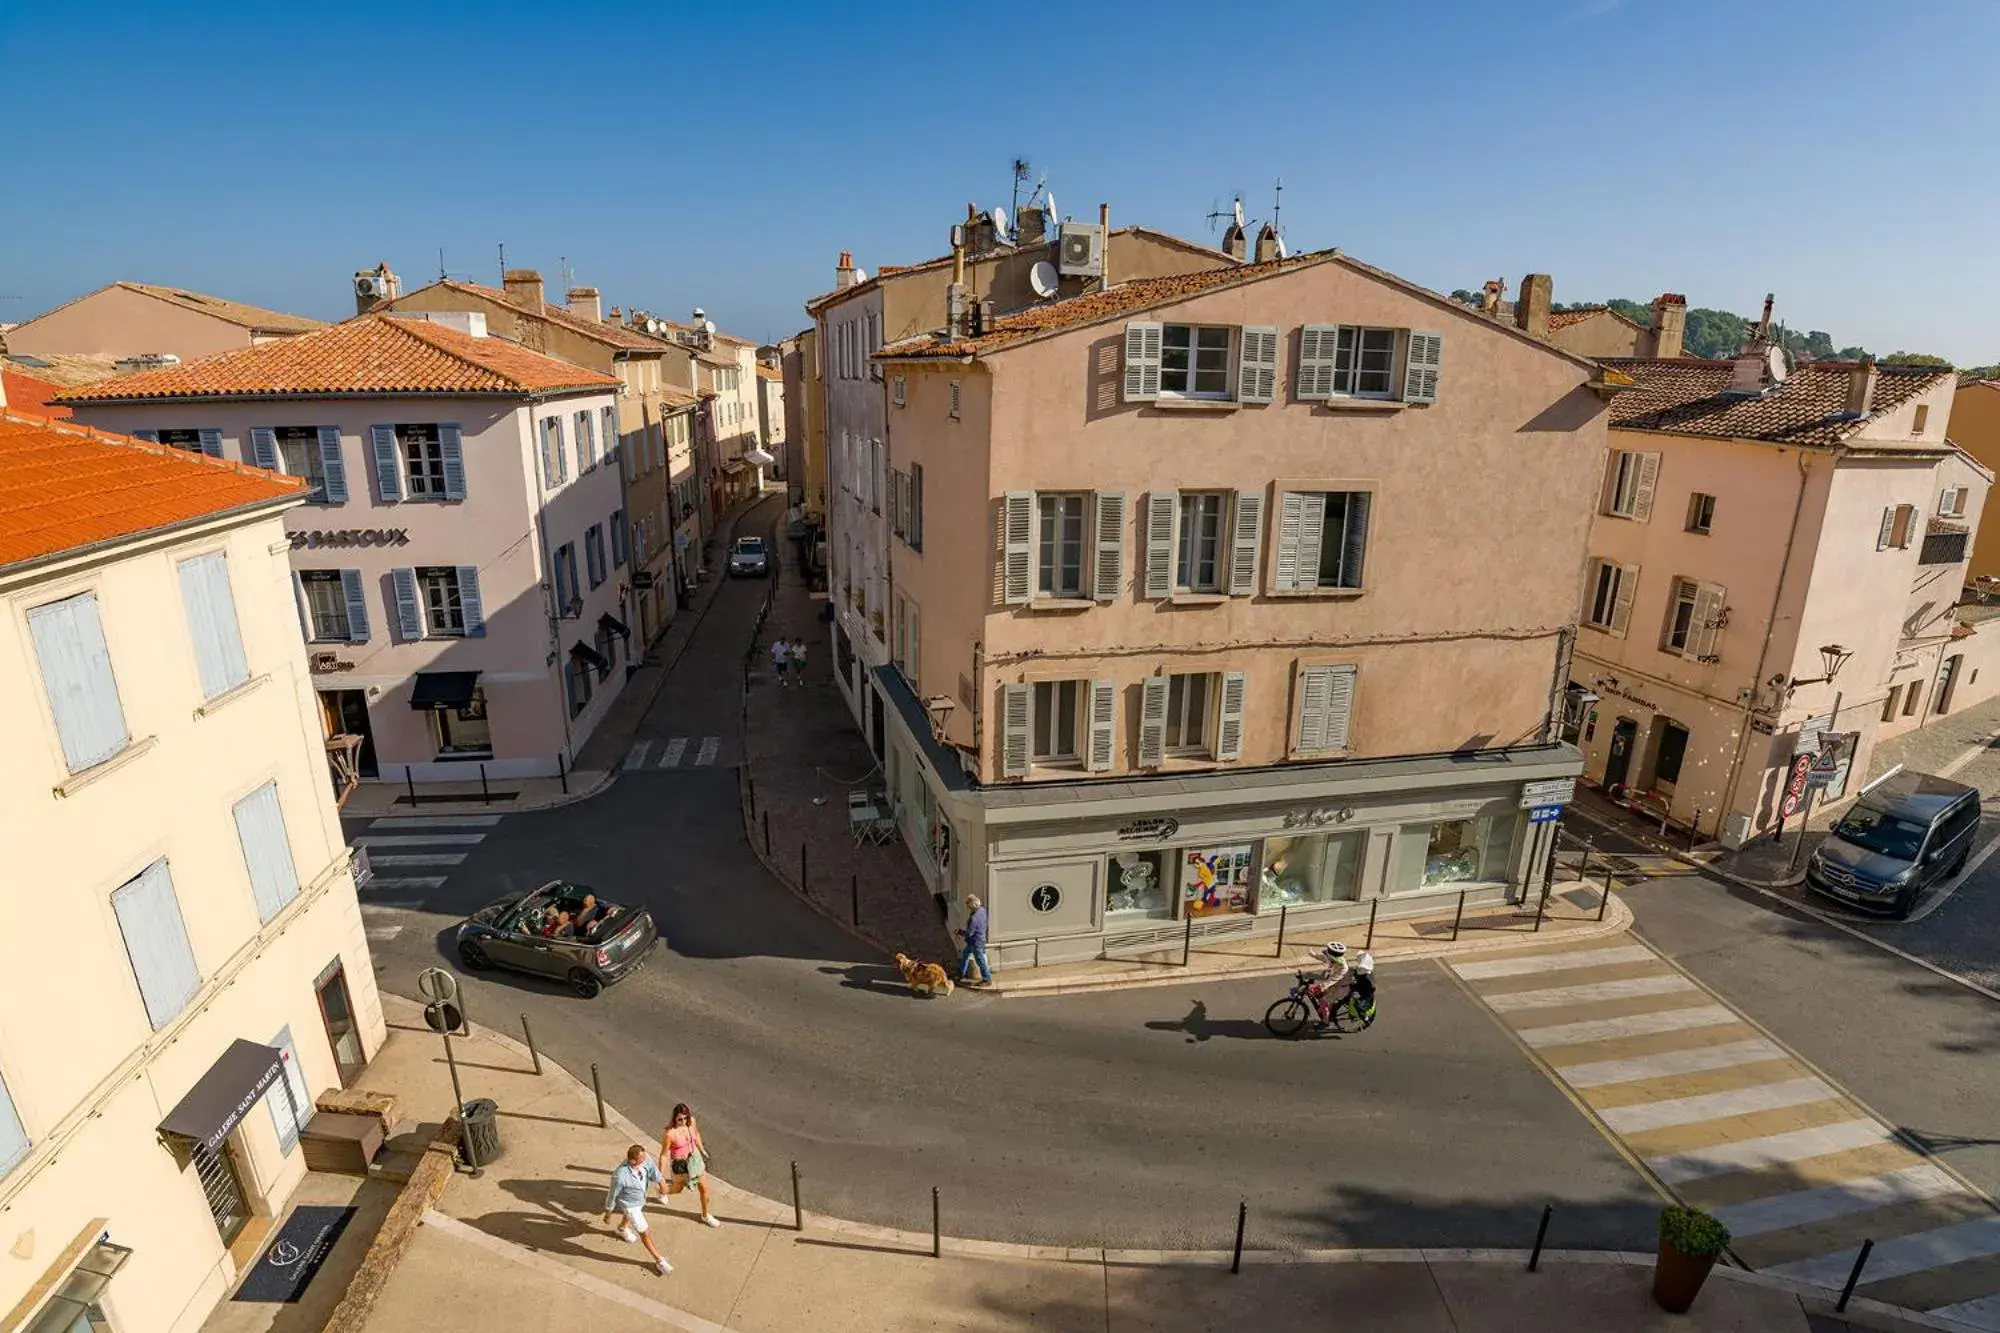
x: 1730, y: 1121
x: 672, y: 753
x: 409, y: 856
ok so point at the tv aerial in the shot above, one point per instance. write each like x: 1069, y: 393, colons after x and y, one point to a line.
x: 1042, y: 277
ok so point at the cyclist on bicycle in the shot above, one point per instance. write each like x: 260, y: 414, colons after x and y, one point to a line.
x: 1360, y: 976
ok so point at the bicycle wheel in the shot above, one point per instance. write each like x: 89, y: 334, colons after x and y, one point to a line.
x: 1287, y: 1018
x: 1350, y: 1017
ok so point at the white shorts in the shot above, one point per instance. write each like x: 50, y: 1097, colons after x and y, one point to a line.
x: 637, y: 1218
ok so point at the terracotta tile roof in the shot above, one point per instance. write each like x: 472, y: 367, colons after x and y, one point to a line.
x: 63, y: 486
x: 615, y: 335
x: 236, y: 312
x: 676, y: 398
x: 1562, y: 319
x: 30, y: 396
x: 765, y: 372
x: 1687, y: 396
x: 67, y: 370
x: 718, y: 335
x: 373, y: 354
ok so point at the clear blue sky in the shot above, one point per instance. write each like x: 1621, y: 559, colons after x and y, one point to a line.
x: 1841, y: 154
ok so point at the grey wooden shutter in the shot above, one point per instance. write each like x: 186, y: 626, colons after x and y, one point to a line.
x: 451, y: 446
x: 267, y: 852
x: 1142, y: 362
x: 1229, y: 716
x: 1706, y: 632
x: 1103, y: 725
x: 13, y: 1138
x: 611, y: 440
x: 1312, y: 532
x: 1153, y: 722
x: 1015, y: 706
x: 1162, y: 517
x: 1018, y: 548
x: 1422, y: 361
x: 1354, y: 548
x: 1317, y: 343
x: 1315, y: 683
x: 409, y: 616
x: 1107, y: 577
x: 263, y: 448
x: 332, y: 466
x: 469, y: 604
x: 388, y: 463
x: 211, y: 617
x: 1649, y: 481
x: 1339, y: 706
x: 1291, y: 511
x: 211, y: 441
x: 149, y: 917
x: 1246, y: 535
x: 1621, y: 601
x: 291, y: 1105
x: 357, y: 605
x: 1257, y: 365
x: 1888, y: 529
x: 620, y: 540
x: 77, y: 677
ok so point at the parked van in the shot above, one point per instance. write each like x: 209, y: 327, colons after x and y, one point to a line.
x: 1903, y: 835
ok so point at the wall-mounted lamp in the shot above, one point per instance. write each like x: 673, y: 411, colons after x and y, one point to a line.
x: 1833, y: 657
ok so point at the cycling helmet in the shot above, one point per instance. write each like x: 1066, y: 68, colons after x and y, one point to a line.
x: 1334, y: 953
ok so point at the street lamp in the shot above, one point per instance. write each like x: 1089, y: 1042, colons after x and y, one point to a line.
x: 1832, y: 657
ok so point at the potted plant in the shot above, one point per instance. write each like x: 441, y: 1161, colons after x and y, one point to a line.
x: 1690, y: 1240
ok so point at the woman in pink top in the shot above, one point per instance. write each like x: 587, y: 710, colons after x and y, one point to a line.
x: 681, y: 1145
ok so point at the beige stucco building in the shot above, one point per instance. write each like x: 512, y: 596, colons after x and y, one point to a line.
x: 165, y: 779
x: 1975, y: 428
x: 138, y: 319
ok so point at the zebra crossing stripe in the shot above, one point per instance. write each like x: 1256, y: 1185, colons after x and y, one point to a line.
x: 671, y: 756
x: 384, y: 883
x: 637, y: 758
x: 417, y: 859
x: 434, y: 840
x: 709, y: 746
x: 390, y: 823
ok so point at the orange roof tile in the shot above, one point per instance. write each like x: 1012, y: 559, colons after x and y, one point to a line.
x: 1562, y: 319
x: 373, y: 354
x: 1687, y: 396
x: 765, y: 372
x: 63, y: 487
x: 30, y: 396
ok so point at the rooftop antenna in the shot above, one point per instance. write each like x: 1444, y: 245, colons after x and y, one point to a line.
x: 503, y: 263
x: 441, y: 273
x: 1277, y: 206
x: 567, y: 279
x: 1021, y: 170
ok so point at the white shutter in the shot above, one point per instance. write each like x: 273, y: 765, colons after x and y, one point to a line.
x: 450, y: 445
x: 1017, y: 535
x: 469, y: 604
x: 1108, y: 577
x: 1153, y: 722
x: 77, y: 677
x: 1649, y: 480
x: 1291, y: 509
x: 1315, y: 683
x: 1142, y: 361
x: 1705, y: 633
x: 1339, y: 705
x: 1317, y: 343
x: 264, y: 448
x: 357, y: 605
x: 211, y: 617
x: 211, y: 441
x: 1422, y: 360
x: 388, y: 466
x: 1015, y: 704
x: 1888, y: 529
x: 1257, y: 365
x: 1162, y: 517
x: 149, y: 917
x: 409, y: 616
x: 1246, y: 535
x: 1621, y: 602
x: 267, y: 852
x: 1312, y: 532
x: 1229, y: 716
x: 332, y: 466
x: 1103, y: 725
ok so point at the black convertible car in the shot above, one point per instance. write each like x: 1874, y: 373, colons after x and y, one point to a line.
x: 563, y: 931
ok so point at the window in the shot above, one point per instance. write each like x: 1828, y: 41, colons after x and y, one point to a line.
x: 1912, y: 697
x: 553, y: 466
x: 1194, y: 361
x: 1898, y: 522
x: 568, y: 592
x: 913, y: 521
x: 156, y: 941
x: 1921, y: 419
x: 1322, y: 540
x: 1364, y: 362
x: 443, y: 602
x: 76, y: 676
x: 462, y: 733
x: 1057, y: 704
x: 1943, y: 548
x: 1187, y: 714
x: 1694, y: 620
x: 953, y: 411
x: 577, y: 675
x: 586, y: 442
x: 1630, y: 483
x: 1889, y: 703
x: 593, y: 552
x: 13, y: 1138
x: 1701, y: 512
x: 1198, y: 563
x: 899, y: 390
x: 1610, y: 592
x: 423, y: 461
x: 267, y: 852
x: 211, y: 616
x: 191, y: 440
x: 1951, y: 503
x: 291, y: 1105
x: 1325, y: 706
x: 619, y: 539
x: 301, y: 455
x: 1059, y: 559
x: 1455, y: 851
x: 1311, y: 868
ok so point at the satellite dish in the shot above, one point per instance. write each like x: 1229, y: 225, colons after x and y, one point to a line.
x: 1049, y: 207
x: 652, y: 326
x: 1239, y: 210
x: 1283, y: 253
x: 860, y: 275
x: 999, y: 218
x: 708, y: 326
x: 1042, y: 277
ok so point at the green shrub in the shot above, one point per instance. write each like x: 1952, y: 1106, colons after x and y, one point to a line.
x: 1693, y: 1232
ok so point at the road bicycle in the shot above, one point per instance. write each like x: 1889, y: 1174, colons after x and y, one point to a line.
x: 1301, y: 1006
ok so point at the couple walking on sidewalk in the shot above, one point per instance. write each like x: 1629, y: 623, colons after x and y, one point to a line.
x: 789, y: 653
x: 633, y: 1181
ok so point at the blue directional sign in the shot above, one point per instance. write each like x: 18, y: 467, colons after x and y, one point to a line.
x: 1545, y: 814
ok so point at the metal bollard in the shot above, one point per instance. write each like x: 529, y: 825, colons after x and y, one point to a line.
x: 1604, y: 898
x: 1281, y: 931
x: 750, y: 787
x: 1459, y: 915
x: 1187, y: 940
x: 1541, y: 1234
x: 854, y: 891
x: 1583, y: 866
x: 802, y: 864
x: 1374, y: 904
x: 562, y: 771
x: 1541, y: 908
x: 485, y: 792
x: 1242, y: 1215
x: 598, y: 1088
x: 937, y: 1234
x: 767, y: 834
x: 533, y: 1054
x: 410, y: 781
x: 1860, y: 1262
x: 798, y: 1213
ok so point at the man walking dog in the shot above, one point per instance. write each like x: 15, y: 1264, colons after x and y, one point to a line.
x: 974, y: 936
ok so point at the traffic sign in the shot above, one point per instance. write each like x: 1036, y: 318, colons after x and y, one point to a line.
x: 1545, y: 814
x: 1552, y: 791
x: 1795, y: 786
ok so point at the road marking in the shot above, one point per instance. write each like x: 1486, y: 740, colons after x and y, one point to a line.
x: 384, y: 883
x: 1903, y: 1255
x: 381, y: 934
x: 1957, y: 882
x: 1551, y: 962
x: 389, y: 822
x: 1632, y: 1025
x: 671, y: 756
x: 1802, y: 1208
x: 417, y: 859
x: 1598, y: 1073
x: 434, y: 840
x: 1715, y: 1105
x: 636, y: 758
x: 1556, y: 997
x: 706, y: 755
x: 397, y: 905
x: 1771, y: 1150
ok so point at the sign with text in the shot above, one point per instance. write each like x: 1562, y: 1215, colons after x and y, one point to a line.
x: 352, y: 537
x: 1552, y: 791
x: 1545, y: 814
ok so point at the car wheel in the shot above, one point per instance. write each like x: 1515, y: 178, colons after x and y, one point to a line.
x: 473, y: 957
x: 1906, y: 902
x: 584, y: 984
x: 1959, y: 864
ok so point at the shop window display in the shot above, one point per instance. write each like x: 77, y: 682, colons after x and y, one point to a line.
x: 1135, y: 885
x: 1312, y: 868
x: 1456, y: 851
x: 1215, y: 881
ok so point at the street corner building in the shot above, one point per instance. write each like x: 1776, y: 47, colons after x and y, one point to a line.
x: 1220, y: 596
x: 187, y: 968
x: 461, y: 561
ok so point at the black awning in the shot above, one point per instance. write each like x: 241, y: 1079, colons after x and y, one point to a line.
x: 583, y: 652
x: 225, y: 1094
x: 443, y: 689
x: 607, y: 621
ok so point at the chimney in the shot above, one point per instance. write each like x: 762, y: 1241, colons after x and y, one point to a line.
x: 1104, y: 247
x: 1232, y: 241
x: 1531, y: 309
x: 584, y: 303
x: 374, y: 286
x: 1670, y: 317
x: 844, y: 271
x: 1758, y: 364
x: 1030, y: 226
x: 954, y: 295
x: 1489, y: 297
x: 1267, y: 243
x: 1861, y: 389
x: 524, y: 285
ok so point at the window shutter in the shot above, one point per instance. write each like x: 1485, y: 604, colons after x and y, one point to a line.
x: 77, y: 677
x: 1142, y: 362
x: 13, y: 1138
x: 1316, y: 349
x: 1706, y: 632
x: 291, y: 1105
x: 149, y: 436
x: 1246, y: 535
x: 1421, y: 363
x: 357, y: 605
x: 388, y: 467
x: 332, y: 465
x: 211, y: 616
x: 267, y: 852
x: 1108, y: 577
x: 1103, y: 720
x: 1162, y: 517
x: 1291, y: 510
x: 618, y: 540
x: 450, y: 444
x: 1649, y: 480
x: 1315, y: 684
x: 1608, y: 500
x: 1906, y: 520
x: 156, y: 941
x: 1354, y: 555
x: 1153, y: 722
x: 469, y: 604
x: 1015, y: 702
x: 263, y: 447
x: 1339, y: 705
x: 211, y: 442
x: 1312, y: 532
x: 1888, y: 529
x: 1621, y: 601
x: 1018, y: 557
x: 1229, y: 717
x: 611, y: 441
x: 1257, y: 365
x: 409, y: 616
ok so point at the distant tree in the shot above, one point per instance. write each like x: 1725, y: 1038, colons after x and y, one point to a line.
x: 1712, y: 333
x: 1970, y: 373
x: 1915, y: 359
x: 1632, y: 310
x: 1464, y: 297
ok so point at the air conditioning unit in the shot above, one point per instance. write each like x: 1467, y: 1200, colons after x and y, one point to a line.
x: 1081, y: 253
x: 367, y: 284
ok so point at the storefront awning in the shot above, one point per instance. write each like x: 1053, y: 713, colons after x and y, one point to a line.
x: 607, y: 621
x: 225, y: 1094
x: 732, y: 467
x: 443, y: 689
x: 583, y: 652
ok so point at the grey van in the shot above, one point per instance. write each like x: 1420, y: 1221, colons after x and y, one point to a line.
x: 1903, y: 835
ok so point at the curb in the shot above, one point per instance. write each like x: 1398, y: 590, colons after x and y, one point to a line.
x: 1708, y: 868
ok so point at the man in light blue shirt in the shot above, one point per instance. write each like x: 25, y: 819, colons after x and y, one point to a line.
x: 630, y: 1184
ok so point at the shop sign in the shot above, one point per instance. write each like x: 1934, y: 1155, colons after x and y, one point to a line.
x: 1318, y: 817
x: 352, y: 537
x: 1551, y: 791
x: 324, y: 663
x: 1620, y: 692
x: 1155, y: 828
x: 1045, y: 897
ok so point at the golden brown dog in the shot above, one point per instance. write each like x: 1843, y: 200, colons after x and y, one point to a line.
x: 923, y: 978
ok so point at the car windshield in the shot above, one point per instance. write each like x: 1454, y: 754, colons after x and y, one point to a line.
x: 751, y: 546
x: 1879, y: 831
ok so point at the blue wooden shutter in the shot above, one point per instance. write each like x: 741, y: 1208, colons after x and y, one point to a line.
x: 449, y: 444
x: 618, y: 539
x: 267, y: 852
x: 13, y: 1138
x: 263, y: 447
x: 611, y: 441
x: 156, y: 941
x: 211, y: 441
x: 409, y: 615
x: 290, y: 1102
x: 357, y: 605
x: 388, y: 465
x: 211, y: 615
x: 76, y: 675
x: 333, y: 466
x: 469, y: 605
x: 593, y: 553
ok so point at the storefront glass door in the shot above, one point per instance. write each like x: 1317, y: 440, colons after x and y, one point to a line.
x: 336, y: 1009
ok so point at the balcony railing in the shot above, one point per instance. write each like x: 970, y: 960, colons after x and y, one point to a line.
x: 1943, y: 548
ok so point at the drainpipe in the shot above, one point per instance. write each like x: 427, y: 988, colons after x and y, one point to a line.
x: 1104, y: 247
x: 1565, y: 640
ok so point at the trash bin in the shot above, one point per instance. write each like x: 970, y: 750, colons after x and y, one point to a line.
x: 481, y: 1119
